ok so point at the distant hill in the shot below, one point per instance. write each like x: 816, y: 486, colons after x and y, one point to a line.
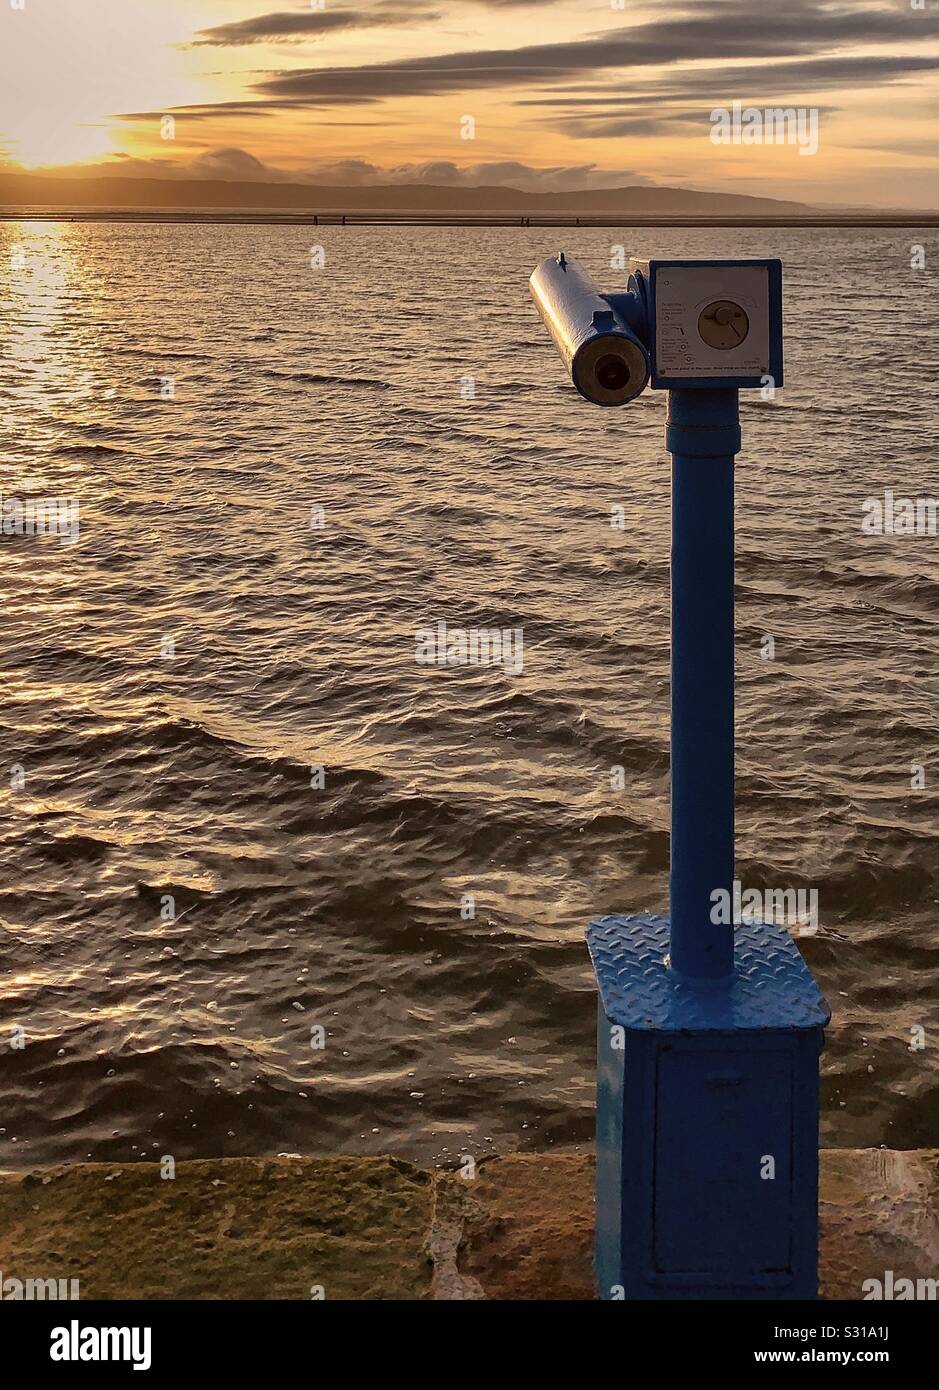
x: 39, y: 190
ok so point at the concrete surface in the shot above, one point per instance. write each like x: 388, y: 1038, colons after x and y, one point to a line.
x: 380, y: 1228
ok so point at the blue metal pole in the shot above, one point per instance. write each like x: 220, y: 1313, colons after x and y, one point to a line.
x: 703, y: 436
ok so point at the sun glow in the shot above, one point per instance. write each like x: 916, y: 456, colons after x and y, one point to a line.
x: 35, y: 145
x: 69, y: 71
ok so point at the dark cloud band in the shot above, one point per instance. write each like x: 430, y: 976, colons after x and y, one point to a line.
x: 727, y: 31
x: 286, y: 26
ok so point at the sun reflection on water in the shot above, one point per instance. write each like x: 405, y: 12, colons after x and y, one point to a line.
x: 48, y: 362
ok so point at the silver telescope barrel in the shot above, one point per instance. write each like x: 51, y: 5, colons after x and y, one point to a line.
x: 607, y: 362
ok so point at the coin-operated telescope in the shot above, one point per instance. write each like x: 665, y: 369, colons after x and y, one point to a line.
x: 710, y: 1028
x: 682, y: 324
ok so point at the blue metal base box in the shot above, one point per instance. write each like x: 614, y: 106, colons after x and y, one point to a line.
x: 707, y: 1119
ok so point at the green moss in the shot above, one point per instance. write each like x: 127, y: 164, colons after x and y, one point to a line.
x: 238, y: 1228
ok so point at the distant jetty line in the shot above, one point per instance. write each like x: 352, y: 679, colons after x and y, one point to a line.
x: 379, y: 218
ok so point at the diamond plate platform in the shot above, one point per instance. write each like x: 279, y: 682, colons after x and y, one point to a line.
x: 771, y: 987
x: 707, y: 1118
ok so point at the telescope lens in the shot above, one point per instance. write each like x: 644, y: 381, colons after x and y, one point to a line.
x: 612, y: 372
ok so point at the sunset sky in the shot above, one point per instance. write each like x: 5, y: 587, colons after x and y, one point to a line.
x: 572, y: 94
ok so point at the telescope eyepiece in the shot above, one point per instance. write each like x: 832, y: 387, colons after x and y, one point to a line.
x: 612, y: 372
x: 610, y: 369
